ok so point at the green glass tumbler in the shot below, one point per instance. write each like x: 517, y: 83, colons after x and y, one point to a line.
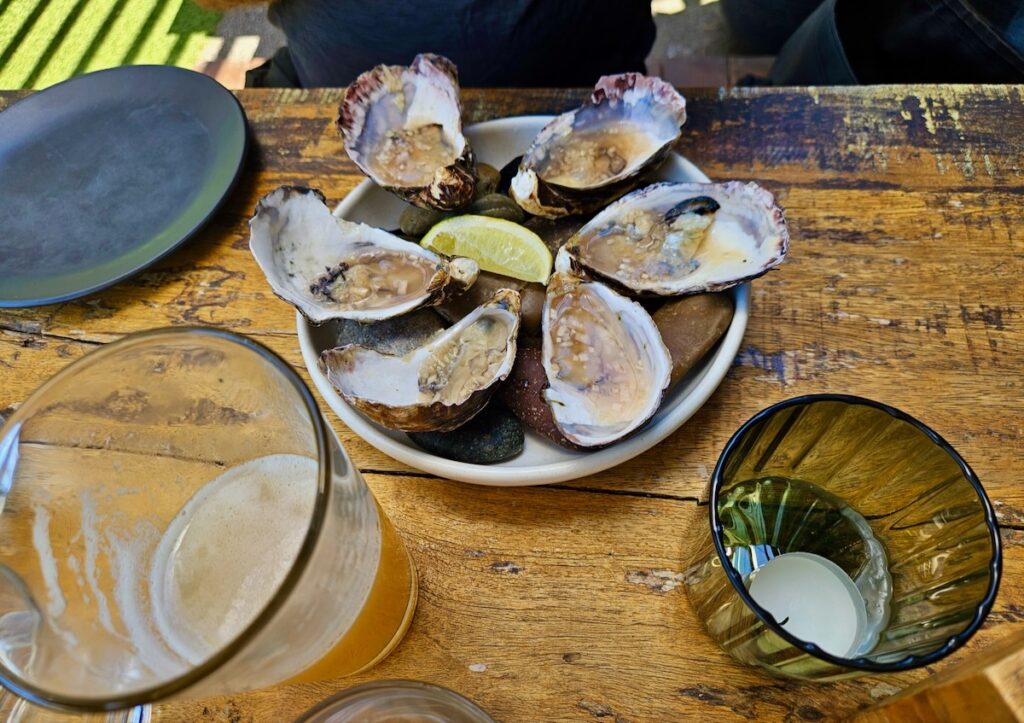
x: 846, y: 538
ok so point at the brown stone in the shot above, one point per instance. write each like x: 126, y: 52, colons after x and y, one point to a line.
x: 690, y: 326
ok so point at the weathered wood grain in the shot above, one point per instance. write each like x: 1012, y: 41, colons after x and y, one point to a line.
x: 904, y: 284
x: 987, y: 686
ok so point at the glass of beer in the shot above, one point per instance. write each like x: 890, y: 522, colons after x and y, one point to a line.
x: 177, y: 520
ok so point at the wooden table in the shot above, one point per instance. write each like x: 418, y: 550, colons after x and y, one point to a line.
x: 565, y: 602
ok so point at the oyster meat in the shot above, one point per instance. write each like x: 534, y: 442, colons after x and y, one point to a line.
x: 587, y: 157
x: 329, y: 268
x: 439, y: 385
x: 681, y: 238
x: 403, y: 128
x: 606, y: 364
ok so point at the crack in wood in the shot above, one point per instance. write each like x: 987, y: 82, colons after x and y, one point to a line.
x: 564, y: 487
x: 598, y: 490
x: 136, y: 452
x: 630, y: 493
x: 18, y: 329
x: 399, y: 473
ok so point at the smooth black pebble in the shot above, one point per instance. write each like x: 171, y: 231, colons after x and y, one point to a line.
x: 494, y: 435
x: 507, y: 173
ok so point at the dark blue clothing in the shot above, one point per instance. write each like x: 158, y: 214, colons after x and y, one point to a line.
x: 904, y: 41
x: 494, y: 43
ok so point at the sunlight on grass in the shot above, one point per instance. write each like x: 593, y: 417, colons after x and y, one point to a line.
x: 672, y: 7
x: 43, y: 42
x: 667, y: 7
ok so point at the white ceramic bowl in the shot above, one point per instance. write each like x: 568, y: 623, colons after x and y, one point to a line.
x: 542, y: 462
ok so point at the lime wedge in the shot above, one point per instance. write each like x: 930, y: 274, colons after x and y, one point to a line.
x: 499, y: 246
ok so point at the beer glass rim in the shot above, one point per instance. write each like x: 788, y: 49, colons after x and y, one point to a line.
x: 193, y: 674
x: 348, y: 694
x: 861, y: 663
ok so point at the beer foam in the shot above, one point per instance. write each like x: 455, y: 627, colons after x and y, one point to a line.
x: 47, y: 562
x: 225, y: 554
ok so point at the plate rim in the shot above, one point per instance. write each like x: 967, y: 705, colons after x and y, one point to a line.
x: 20, y: 303
x: 582, y: 464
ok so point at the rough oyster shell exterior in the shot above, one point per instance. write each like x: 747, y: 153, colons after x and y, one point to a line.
x: 576, y: 395
x: 658, y: 109
x: 297, y: 241
x: 381, y: 386
x: 436, y: 85
x: 747, y: 238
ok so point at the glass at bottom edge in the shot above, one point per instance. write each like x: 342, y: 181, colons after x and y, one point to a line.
x: 391, y: 701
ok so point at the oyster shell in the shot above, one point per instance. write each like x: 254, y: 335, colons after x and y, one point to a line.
x: 438, y: 386
x: 587, y: 157
x: 403, y: 128
x: 681, y: 238
x: 329, y: 268
x: 606, y: 364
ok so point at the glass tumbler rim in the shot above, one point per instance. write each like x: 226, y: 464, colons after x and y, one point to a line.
x: 861, y: 663
x: 194, y: 674
x: 399, y: 684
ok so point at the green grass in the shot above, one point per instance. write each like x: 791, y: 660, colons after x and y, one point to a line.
x: 43, y: 42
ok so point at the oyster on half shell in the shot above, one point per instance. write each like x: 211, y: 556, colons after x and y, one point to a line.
x: 606, y: 364
x: 587, y: 157
x: 682, y: 238
x: 403, y: 128
x: 329, y: 268
x: 439, y: 385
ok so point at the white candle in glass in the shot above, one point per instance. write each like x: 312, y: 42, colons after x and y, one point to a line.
x: 813, y: 599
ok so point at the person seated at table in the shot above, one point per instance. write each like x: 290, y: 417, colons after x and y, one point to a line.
x: 515, y: 43
x: 494, y: 43
x: 843, y: 42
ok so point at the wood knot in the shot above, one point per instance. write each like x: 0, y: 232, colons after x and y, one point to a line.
x: 655, y: 580
x: 599, y: 710
x: 705, y: 694
x: 506, y: 566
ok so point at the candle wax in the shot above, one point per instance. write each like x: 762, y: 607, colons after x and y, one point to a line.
x: 813, y: 599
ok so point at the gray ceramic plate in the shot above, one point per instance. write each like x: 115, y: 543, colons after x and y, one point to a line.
x: 105, y: 173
